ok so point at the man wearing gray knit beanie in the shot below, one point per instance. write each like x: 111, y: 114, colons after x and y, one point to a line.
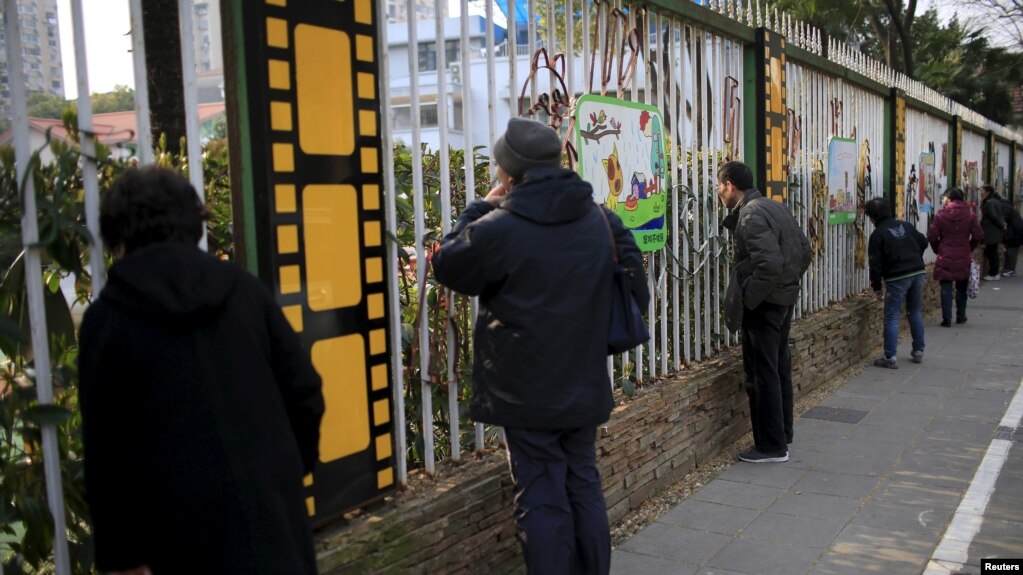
x: 536, y: 251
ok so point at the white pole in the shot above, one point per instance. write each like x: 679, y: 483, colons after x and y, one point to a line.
x: 144, y: 137
x: 191, y: 105
x: 445, y: 200
x: 90, y: 178
x: 397, y: 373
x: 34, y: 285
x: 470, y: 158
x: 426, y: 389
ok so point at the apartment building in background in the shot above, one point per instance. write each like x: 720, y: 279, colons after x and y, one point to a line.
x: 40, y: 48
x: 209, y: 50
x: 397, y: 10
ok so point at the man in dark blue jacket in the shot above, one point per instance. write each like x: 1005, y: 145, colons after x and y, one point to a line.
x: 536, y: 251
x: 896, y: 253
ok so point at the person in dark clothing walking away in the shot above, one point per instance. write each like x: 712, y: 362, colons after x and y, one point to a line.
x: 953, y: 234
x: 896, y: 254
x: 201, y: 411
x: 537, y: 252
x: 1013, y: 234
x: 993, y: 222
x: 771, y: 255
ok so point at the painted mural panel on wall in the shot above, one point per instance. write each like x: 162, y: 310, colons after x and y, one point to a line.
x: 621, y: 152
x: 927, y: 184
x: 971, y: 182
x: 842, y: 156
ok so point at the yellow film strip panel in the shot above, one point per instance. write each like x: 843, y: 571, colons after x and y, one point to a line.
x: 327, y: 230
x: 957, y: 158
x: 775, y: 117
x: 899, y: 167
x: 992, y: 159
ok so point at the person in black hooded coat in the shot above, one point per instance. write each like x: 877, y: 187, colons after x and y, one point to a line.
x: 537, y: 252
x: 200, y: 408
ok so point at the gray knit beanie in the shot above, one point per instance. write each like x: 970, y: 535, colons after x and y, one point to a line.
x: 525, y: 145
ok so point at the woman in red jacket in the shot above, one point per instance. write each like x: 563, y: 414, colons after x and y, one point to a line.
x: 954, y: 233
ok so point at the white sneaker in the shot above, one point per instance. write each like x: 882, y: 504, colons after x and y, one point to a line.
x: 992, y: 278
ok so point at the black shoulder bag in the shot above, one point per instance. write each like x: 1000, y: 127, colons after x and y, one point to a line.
x: 627, y: 328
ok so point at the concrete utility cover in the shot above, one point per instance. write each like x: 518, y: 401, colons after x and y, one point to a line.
x: 835, y: 414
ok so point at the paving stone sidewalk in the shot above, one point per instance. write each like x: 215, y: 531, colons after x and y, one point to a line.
x: 877, y: 472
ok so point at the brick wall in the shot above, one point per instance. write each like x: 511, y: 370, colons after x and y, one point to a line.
x: 461, y: 521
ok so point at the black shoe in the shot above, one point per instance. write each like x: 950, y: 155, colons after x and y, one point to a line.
x: 754, y: 456
x: 946, y: 323
x: 961, y: 320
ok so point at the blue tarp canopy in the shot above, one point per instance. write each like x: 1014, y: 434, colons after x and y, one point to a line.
x: 521, y: 10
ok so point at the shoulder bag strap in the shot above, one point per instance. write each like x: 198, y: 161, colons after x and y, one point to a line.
x: 614, y: 246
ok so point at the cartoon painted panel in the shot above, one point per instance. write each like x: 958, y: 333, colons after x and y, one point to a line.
x: 928, y: 183
x: 842, y: 156
x: 621, y: 152
x: 971, y: 182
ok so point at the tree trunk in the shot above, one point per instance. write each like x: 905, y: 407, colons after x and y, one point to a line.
x: 903, y: 25
x: 884, y: 38
x: 163, y: 71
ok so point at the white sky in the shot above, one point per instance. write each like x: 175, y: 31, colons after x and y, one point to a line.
x: 107, y: 45
x: 108, y: 41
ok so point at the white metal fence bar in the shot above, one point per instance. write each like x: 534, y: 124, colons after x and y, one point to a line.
x: 34, y: 279
x: 191, y: 97
x: 390, y: 191
x: 674, y: 118
x: 469, y: 162
x: 144, y: 134
x: 656, y: 86
x: 87, y: 142
x: 445, y: 210
x: 426, y: 395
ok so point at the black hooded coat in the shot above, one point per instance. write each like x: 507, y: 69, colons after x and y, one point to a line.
x: 201, y: 414
x: 541, y: 265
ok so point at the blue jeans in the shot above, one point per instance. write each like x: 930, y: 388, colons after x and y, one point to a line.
x: 960, y: 299
x: 910, y: 290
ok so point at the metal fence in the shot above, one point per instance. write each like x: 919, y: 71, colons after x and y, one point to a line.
x: 685, y: 59
x: 689, y: 64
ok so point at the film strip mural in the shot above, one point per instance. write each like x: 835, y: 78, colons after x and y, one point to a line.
x: 772, y: 117
x: 898, y: 159
x: 991, y: 157
x: 310, y: 125
x: 956, y: 145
